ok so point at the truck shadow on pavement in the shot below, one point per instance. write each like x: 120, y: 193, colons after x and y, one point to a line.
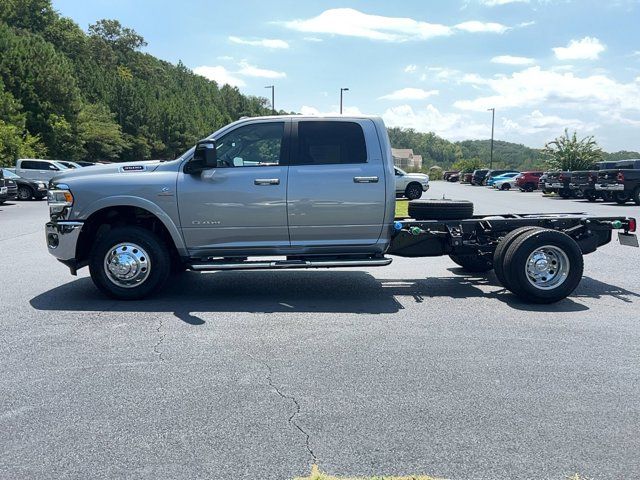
x: 309, y: 291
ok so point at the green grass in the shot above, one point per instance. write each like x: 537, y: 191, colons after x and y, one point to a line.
x: 316, y: 474
x: 402, y: 208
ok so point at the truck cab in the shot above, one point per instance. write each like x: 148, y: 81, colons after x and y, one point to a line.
x: 319, y: 188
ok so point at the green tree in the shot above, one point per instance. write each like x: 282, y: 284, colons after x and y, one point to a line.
x: 567, y: 153
x: 468, y: 165
x: 101, y: 136
x: 112, y: 32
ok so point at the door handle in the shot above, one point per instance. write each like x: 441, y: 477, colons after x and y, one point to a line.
x: 266, y: 181
x: 365, y: 179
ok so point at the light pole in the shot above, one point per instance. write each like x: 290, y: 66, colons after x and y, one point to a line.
x: 341, y: 91
x: 493, y: 121
x: 273, y: 95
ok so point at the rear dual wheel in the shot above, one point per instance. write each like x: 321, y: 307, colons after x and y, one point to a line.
x: 539, y: 265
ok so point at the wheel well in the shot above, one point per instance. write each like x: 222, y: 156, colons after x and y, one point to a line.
x: 100, y: 222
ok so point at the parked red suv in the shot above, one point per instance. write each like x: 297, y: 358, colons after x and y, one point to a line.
x: 528, y: 181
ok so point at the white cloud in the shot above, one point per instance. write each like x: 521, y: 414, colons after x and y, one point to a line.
x: 347, y: 110
x: 409, y: 94
x: 475, y: 26
x: 260, y: 42
x: 312, y: 39
x: 448, y: 125
x: 493, y: 3
x: 353, y: 23
x: 511, y: 60
x: 252, y: 71
x: 220, y: 75
x: 533, y: 87
x: 410, y: 68
x: 537, y: 122
x: 589, y: 48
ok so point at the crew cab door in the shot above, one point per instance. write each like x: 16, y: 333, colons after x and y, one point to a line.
x: 336, y: 190
x: 240, y: 204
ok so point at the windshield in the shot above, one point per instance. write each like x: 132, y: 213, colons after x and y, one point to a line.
x: 9, y: 174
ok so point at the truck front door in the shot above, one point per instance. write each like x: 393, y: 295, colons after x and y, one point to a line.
x: 240, y: 204
x: 336, y: 193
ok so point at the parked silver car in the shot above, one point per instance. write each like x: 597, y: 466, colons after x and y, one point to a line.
x: 411, y: 185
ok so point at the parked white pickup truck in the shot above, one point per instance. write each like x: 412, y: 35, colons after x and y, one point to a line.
x: 36, y: 169
x: 285, y: 192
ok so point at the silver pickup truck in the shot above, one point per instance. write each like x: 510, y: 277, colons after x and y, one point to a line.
x: 287, y: 192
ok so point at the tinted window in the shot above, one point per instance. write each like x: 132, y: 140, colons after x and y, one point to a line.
x: 34, y: 165
x: 256, y: 145
x: 326, y: 143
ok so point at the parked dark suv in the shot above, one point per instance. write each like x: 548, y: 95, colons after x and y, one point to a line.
x: 23, y: 188
x: 478, y: 176
x: 3, y: 189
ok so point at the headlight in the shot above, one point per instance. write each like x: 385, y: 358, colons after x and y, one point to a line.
x: 41, y: 186
x: 59, y: 202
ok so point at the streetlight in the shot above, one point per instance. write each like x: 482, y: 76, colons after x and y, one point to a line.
x: 493, y: 121
x: 273, y: 94
x: 342, y: 90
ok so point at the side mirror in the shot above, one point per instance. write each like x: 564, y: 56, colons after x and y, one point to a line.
x: 204, y: 157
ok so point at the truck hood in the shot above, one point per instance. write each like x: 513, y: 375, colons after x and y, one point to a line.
x: 123, y: 168
x: 418, y: 176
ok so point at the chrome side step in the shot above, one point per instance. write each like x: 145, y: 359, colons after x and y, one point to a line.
x: 290, y: 264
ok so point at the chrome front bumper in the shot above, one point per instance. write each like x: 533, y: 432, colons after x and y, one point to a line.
x: 611, y: 187
x: 62, y: 238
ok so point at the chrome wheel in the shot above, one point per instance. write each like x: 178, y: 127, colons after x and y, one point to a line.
x: 127, y: 265
x: 547, y: 267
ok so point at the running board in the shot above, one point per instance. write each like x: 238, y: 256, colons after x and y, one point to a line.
x: 290, y: 264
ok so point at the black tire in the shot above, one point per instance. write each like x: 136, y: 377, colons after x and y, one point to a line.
x: 591, y: 195
x: 505, y: 186
x: 621, y: 197
x: 159, y: 262
x: 440, y: 209
x: 529, y: 187
x: 564, y: 193
x: 25, y: 193
x: 503, y: 246
x: 636, y: 196
x: 518, y: 254
x: 413, y: 191
x: 474, y: 263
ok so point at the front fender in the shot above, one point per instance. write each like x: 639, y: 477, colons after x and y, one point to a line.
x: 151, y: 207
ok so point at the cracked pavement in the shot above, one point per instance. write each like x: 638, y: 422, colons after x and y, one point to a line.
x: 412, y: 368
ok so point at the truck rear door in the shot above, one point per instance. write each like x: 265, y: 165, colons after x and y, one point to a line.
x: 336, y: 188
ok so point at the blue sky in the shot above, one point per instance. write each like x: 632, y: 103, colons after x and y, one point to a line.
x: 430, y: 65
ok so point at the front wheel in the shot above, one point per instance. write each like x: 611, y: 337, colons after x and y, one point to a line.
x: 25, y: 193
x: 565, y: 193
x: 591, y: 195
x: 413, y: 191
x: 505, y: 186
x: 636, y: 196
x: 621, y: 198
x: 543, y: 266
x: 129, y: 263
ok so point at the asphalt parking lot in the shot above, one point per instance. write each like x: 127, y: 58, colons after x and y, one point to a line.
x: 412, y: 368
